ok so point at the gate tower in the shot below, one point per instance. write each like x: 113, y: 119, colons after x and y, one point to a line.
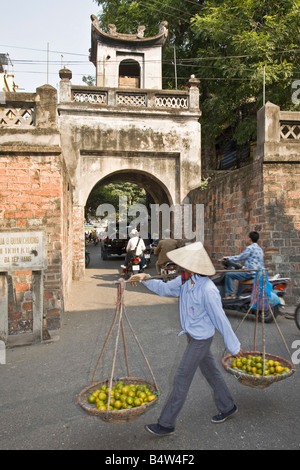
x: 127, y: 128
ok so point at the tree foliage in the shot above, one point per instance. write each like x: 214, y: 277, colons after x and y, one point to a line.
x: 231, y: 45
x: 110, y: 194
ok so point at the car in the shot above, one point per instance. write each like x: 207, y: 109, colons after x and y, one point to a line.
x: 113, y: 245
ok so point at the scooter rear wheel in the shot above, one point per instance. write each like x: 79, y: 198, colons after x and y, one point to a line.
x: 297, y: 316
x: 268, y: 317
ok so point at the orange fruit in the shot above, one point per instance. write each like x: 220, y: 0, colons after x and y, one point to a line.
x: 129, y: 400
x: 151, y: 397
x: 92, y: 399
x: 137, y: 402
x: 102, y: 396
x: 118, y: 404
x: 123, y: 398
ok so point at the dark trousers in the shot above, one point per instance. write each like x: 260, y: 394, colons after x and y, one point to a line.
x: 197, y: 354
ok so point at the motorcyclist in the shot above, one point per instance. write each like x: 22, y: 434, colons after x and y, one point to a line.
x: 135, y: 243
x: 163, y: 247
x: 253, y: 257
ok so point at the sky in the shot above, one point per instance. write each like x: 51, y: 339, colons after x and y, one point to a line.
x: 28, y: 26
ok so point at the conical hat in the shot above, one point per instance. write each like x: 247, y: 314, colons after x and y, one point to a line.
x: 194, y: 258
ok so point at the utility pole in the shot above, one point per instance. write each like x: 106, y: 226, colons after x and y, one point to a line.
x: 175, y: 66
x: 264, y: 87
x: 47, y: 63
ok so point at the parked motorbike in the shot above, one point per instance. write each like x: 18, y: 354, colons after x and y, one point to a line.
x: 243, y: 301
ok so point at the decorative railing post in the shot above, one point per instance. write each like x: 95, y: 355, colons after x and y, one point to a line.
x: 194, y: 93
x: 65, y: 85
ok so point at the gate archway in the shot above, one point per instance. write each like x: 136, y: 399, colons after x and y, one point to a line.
x: 159, y: 194
x: 157, y: 190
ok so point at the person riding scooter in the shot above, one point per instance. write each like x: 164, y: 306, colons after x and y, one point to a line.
x: 135, y: 245
x: 253, y: 257
x: 163, y: 247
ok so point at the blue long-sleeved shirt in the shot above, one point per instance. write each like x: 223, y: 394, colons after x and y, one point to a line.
x: 253, y: 257
x: 200, y: 308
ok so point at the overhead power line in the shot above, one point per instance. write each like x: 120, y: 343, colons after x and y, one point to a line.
x: 43, y: 50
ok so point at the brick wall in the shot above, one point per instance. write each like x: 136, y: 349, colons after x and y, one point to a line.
x: 263, y: 196
x: 282, y: 213
x: 257, y: 197
x: 34, y: 196
x: 233, y: 206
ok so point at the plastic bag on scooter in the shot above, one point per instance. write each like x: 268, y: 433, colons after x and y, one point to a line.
x: 263, y: 296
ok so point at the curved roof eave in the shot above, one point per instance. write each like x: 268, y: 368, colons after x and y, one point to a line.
x: 126, y: 39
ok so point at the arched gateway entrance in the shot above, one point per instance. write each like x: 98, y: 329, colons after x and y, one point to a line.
x: 156, y: 197
x: 157, y: 190
x: 143, y: 134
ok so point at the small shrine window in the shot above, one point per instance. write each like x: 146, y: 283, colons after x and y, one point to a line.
x: 129, y: 74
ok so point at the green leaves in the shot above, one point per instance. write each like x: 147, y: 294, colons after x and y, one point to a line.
x: 226, y: 44
x: 110, y: 194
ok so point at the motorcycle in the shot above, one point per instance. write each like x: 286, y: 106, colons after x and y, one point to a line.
x: 134, y: 266
x: 243, y: 301
x: 169, y: 270
x: 147, y: 256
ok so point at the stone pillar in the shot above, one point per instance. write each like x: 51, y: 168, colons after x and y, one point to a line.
x: 3, y: 307
x: 65, y: 94
x: 38, y: 304
x: 194, y: 93
x: 268, y: 129
x: 46, y: 107
x: 78, y: 243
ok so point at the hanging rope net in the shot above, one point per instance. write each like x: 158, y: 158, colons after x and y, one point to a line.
x: 144, y: 394
x: 258, y: 369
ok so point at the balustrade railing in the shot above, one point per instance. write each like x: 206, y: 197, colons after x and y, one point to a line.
x: 18, y: 111
x: 289, y: 130
x: 171, y: 101
x: 89, y: 97
x: 133, y: 99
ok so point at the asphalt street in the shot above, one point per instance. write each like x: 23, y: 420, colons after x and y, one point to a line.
x: 40, y: 383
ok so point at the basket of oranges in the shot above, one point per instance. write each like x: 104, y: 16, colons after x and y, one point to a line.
x: 258, y: 370
x: 119, y: 400
x: 124, y: 401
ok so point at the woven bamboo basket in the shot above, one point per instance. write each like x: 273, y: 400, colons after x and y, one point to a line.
x: 253, y: 380
x: 130, y: 414
x: 118, y: 416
